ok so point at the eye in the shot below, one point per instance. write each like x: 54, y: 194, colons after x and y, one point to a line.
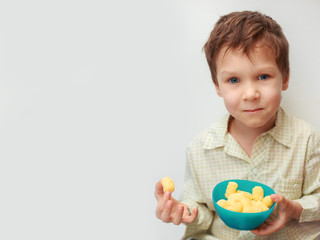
x: 263, y: 77
x: 233, y: 80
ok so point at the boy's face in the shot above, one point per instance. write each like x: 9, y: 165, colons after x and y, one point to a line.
x: 251, y: 88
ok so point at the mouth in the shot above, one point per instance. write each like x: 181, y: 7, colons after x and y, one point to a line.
x: 253, y: 110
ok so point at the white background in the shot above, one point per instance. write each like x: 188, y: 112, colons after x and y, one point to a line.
x: 99, y: 99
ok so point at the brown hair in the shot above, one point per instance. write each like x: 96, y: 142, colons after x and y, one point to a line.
x: 243, y: 30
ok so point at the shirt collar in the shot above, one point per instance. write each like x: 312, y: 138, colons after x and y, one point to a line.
x: 217, y: 135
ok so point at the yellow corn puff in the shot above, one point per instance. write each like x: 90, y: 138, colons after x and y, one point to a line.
x: 245, y: 201
x: 261, y: 206
x: 231, y: 188
x: 223, y: 203
x: 267, y: 201
x: 234, y: 196
x: 249, y: 208
x: 235, y: 205
x: 167, y: 184
x: 257, y: 193
x: 245, y: 194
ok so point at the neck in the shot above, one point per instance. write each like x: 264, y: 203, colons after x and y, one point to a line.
x: 245, y: 135
x: 238, y: 127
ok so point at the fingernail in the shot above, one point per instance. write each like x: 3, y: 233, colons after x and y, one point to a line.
x: 274, y: 196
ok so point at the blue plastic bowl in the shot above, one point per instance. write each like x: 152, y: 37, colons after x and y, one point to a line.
x: 239, y: 220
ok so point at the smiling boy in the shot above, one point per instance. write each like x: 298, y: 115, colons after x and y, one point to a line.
x: 248, y: 56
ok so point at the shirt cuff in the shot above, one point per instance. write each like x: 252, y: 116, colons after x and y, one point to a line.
x: 203, y: 220
x: 310, y: 210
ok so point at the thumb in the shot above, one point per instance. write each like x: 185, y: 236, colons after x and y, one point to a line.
x: 280, y: 200
x: 158, y: 193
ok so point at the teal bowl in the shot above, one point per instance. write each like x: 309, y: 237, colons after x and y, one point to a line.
x: 239, y: 220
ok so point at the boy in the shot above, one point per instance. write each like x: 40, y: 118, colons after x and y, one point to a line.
x: 248, y: 58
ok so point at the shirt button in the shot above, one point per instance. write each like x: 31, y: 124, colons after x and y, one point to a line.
x: 295, y: 185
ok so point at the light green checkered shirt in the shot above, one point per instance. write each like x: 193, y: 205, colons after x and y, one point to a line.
x: 286, y: 158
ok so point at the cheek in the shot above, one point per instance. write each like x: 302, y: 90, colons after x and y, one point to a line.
x: 273, y: 96
x: 231, y: 100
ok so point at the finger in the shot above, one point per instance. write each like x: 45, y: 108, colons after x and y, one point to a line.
x: 270, y: 219
x: 191, y: 218
x: 162, y: 203
x: 278, y: 198
x: 274, y: 197
x: 281, y: 201
x: 268, y: 227
x: 178, y: 216
x: 158, y: 193
x: 261, y: 228
x: 165, y: 216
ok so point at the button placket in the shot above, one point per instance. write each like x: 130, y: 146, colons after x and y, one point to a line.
x: 258, y: 157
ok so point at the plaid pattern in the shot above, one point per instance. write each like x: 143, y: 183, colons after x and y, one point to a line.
x: 286, y: 158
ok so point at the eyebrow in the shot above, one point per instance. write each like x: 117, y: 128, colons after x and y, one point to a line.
x: 228, y: 73
x: 259, y: 70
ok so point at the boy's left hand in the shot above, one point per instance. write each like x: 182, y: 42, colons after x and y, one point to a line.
x: 286, y: 208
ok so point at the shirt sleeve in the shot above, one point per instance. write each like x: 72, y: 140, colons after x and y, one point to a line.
x: 193, y: 196
x: 311, y: 186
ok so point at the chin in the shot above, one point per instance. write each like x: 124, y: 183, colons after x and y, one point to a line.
x: 261, y: 124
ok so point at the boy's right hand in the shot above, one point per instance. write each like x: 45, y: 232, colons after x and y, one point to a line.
x: 171, y: 210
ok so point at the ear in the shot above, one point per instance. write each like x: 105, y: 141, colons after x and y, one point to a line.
x: 285, y: 83
x: 218, y: 89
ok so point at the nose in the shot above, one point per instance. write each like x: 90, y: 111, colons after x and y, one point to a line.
x: 251, y: 92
